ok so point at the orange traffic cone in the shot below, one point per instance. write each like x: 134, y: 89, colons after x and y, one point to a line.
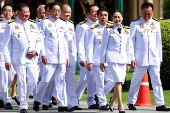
x: 144, y: 93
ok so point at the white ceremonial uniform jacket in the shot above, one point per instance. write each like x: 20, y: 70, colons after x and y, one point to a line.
x: 147, y: 44
x: 20, y: 38
x: 81, y: 37
x: 115, y: 47
x: 70, y: 35
x: 55, y: 42
x: 3, y: 23
x: 94, y: 44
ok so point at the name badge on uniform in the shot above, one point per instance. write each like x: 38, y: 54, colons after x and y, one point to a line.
x: 61, y: 27
x: 70, y: 29
x: 49, y: 25
x: 126, y: 31
x: 99, y: 33
x: 32, y: 27
x: 111, y: 32
x: 3, y: 26
x: 88, y: 28
x: 16, y: 27
x: 18, y: 36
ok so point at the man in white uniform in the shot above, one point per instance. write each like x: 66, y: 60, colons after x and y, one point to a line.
x: 93, y: 55
x: 6, y: 77
x: 70, y: 70
x: 86, y: 77
x: 22, y: 43
x: 55, y: 59
x: 145, y: 34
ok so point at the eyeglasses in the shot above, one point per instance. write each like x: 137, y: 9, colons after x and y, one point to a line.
x: 149, y: 14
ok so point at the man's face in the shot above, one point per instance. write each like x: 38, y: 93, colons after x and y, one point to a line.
x: 93, y: 13
x: 41, y: 13
x: 103, y: 17
x: 55, y: 12
x: 24, y: 14
x: 147, y: 13
x: 7, y: 12
x: 66, y: 13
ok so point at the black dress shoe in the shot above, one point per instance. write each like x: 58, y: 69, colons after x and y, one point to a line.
x: 23, y: 111
x: 8, y: 106
x: 15, y: 98
x: 36, y: 106
x: 62, y: 109
x: 103, y: 108
x: 76, y: 108
x: 121, y: 111
x: 94, y: 106
x: 131, y: 107
x: 111, y: 109
x: 44, y: 107
x: 1, y: 104
x: 54, y: 102
x: 162, y: 108
x: 70, y: 110
x: 50, y: 105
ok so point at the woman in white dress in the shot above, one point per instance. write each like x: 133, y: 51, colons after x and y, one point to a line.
x: 115, y: 51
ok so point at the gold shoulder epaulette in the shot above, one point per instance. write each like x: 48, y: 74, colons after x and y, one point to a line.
x: 45, y: 17
x: 62, y: 19
x: 82, y: 22
x: 32, y: 20
x: 93, y: 27
x: 11, y: 21
x: 39, y: 20
x: 136, y: 19
x: 155, y: 19
x: 110, y: 22
x: 127, y: 27
x: 1, y: 19
x: 71, y: 21
x: 109, y: 26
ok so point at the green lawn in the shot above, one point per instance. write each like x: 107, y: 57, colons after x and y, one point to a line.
x: 125, y: 92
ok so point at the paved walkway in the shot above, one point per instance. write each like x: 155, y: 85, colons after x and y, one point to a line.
x: 82, y: 105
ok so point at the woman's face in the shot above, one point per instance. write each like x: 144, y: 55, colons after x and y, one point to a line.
x: 117, y: 18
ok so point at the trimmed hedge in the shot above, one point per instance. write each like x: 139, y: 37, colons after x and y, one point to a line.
x: 165, y: 67
x: 166, y: 9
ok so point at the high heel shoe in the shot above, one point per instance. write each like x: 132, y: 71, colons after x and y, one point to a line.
x: 121, y: 111
x: 111, y: 109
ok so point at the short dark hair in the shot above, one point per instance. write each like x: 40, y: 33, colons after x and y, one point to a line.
x: 20, y: 6
x: 146, y: 5
x: 7, y: 4
x: 102, y: 8
x: 89, y: 7
x: 46, y: 6
x: 114, y: 11
x: 53, y: 4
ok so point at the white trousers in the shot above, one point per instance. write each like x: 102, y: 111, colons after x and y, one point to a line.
x: 38, y: 75
x: 70, y: 86
x: 6, y: 78
x: 52, y: 73
x: 86, y: 78
x: 25, y: 87
x: 138, y: 75
x: 99, y: 78
x: 108, y: 81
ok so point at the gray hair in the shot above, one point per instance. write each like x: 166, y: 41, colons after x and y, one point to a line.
x: 40, y: 6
